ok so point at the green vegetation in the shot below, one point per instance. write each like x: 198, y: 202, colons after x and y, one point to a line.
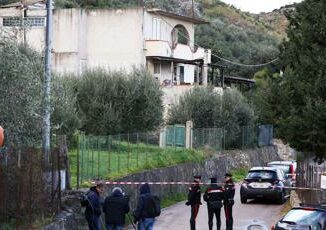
x: 237, y: 36
x: 207, y: 108
x: 296, y: 101
x: 266, y: 99
x: 118, y: 102
x: 125, y: 158
x: 20, y: 92
x: 239, y: 174
x: 171, y: 199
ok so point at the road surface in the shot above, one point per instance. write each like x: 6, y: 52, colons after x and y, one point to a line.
x: 176, y: 217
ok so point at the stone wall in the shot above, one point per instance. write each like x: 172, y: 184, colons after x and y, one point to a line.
x: 215, y: 166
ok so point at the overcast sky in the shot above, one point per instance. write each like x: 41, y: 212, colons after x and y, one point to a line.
x: 257, y: 6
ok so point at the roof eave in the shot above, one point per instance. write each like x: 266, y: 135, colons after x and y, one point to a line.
x: 178, y: 16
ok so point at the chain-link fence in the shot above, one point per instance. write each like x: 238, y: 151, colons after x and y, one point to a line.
x: 99, y: 157
x: 226, y: 138
x: 115, y: 155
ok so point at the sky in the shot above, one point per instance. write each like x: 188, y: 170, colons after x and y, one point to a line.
x: 257, y: 6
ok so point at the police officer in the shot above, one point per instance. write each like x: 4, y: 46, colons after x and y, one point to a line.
x: 229, y: 189
x: 214, y: 196
x: 194, y: 196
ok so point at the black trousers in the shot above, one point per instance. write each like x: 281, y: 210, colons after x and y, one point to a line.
x: 211, y: 212
x: 228, y: 215
x: 194, y: 213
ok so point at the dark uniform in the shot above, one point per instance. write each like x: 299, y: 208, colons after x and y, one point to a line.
x: 194, y: 196
x: 229, y: 188
x: 214, y: 196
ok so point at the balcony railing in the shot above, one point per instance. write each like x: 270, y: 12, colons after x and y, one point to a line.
x: 158, y: 48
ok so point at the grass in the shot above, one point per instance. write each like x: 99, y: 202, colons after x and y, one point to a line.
x: 172, y: 199
x: 125, y: 158
x: 239, y: 174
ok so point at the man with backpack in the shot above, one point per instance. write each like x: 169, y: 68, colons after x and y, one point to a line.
x: 115, y: 207
x: 148, y: 207
x: 92, y: 201
x: 214, y: 196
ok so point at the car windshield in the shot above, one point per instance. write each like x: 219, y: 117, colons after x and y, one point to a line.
x: 304, y: 217
x: 262, y: 174
x: 284, y: 168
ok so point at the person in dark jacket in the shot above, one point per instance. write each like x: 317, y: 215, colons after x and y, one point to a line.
x: 143, y: 214
x: 194, y: 196
x: 93, y: 208
x: 115, y: 207
x: 214, y: 196
x: 229, y: 189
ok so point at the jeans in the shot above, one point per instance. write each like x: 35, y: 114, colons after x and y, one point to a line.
x: 114, y: 226
x: 146, y: 224
x: 93, y: 222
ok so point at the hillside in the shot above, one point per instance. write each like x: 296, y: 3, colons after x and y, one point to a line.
x: 276, y: 20
x: 232, y: 34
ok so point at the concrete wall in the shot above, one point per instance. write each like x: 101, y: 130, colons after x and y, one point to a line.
x: 166, y: 26
x: 110, y: 39
x: 215, y: 166
x: 106, y: 38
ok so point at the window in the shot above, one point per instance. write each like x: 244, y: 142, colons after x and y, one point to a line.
x: 28, y: 21
x: 34, y: 21
x: 180, y: 35
x: 157, y: 68
x: 11, y: 21
x: 156, y: 29
x: 262, y: 174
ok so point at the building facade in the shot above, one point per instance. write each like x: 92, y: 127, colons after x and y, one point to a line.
x: 113, y: 39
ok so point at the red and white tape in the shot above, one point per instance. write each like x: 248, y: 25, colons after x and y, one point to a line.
x: 188, y: 183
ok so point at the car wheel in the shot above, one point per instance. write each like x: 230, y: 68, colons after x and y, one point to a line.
x: 243, y: 200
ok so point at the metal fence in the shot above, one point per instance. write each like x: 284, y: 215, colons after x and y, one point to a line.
x: 225, y: 138
x: 108, y: 156
x: 99, y: 157
x: 29, y: 190
x: 309, y: 175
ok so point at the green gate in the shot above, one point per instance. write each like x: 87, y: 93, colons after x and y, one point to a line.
x: 175, y: 135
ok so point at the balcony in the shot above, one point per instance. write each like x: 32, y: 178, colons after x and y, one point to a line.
x: 158, y: 48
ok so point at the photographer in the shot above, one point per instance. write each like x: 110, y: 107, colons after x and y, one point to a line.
x: 93, y: 206
x: 115, y: 207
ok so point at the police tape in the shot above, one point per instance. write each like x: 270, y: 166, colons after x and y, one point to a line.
x: 198, y: 183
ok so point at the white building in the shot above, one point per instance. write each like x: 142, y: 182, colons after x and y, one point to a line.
x: 114, y: 39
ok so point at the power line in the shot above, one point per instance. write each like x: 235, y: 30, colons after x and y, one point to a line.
x: 215, y: 55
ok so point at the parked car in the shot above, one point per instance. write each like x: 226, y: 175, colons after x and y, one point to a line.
x: 263, y: 182
x: 288, y: 167
x: 305, y: 217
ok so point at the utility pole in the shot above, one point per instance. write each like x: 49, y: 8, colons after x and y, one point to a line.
x: 193, y: 9
x: 47, y: 84
x: 141, y: 3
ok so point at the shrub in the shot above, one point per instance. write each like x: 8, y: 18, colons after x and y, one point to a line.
x: 64, y: 117
x: 117, y: 102
x: 206, y: 108
x: 20, y: 92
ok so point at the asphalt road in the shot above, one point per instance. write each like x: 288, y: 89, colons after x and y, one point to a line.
x: 176, y: 217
